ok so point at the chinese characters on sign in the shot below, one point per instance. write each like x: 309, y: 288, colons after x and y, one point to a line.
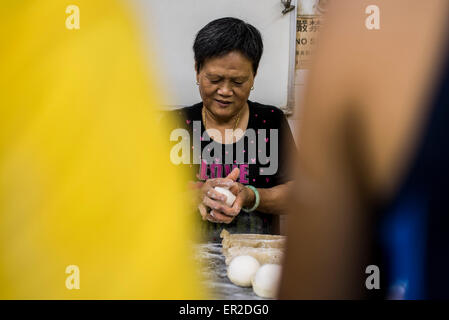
x: 307, y: 29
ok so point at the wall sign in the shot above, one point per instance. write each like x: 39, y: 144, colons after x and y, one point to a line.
x: 307, y: 29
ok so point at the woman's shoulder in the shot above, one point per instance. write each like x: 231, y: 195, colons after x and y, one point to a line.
x: 189, y: 113
x: 266, y: 116
x: 266, y: 109
x: 182, y: 117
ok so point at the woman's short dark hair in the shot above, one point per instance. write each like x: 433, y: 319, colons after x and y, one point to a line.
x: 224, y: 35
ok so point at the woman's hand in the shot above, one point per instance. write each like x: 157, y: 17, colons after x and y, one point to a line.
x: 212, y: 204
x: 245, y: 197
x: 213, y: 207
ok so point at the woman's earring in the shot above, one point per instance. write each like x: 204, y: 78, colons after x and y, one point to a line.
x: 252, y: 88
x: 197, y: 83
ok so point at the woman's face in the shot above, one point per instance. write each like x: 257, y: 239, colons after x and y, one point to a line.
x: 225, y: 84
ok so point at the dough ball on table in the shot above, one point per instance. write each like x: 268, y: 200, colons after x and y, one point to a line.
x: 230, y: 197
x: 242, y: 269
x: 266, y: 281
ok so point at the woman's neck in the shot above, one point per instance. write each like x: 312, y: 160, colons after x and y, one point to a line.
x: 226, y: 135
x: 233, y: 122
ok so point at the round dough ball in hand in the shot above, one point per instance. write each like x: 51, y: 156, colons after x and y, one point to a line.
x: 242, y: 269
x: 230, y: 197
x: 266, y: 280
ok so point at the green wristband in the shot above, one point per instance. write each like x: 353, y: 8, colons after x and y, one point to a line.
x: 256, y: 203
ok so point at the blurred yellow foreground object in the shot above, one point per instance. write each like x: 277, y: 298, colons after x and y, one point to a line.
x: 85, y: 180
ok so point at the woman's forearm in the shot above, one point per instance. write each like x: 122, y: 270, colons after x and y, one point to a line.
x: 272, y: 200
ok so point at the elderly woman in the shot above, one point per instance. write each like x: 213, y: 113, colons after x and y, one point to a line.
x: 242, y: 145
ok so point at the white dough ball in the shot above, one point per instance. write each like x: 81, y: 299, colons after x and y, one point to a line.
x: 266, y: 281
x: 230, y: 197
x: 242, y: 269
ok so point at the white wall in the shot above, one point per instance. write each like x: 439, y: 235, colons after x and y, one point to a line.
x: 173, y: 24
